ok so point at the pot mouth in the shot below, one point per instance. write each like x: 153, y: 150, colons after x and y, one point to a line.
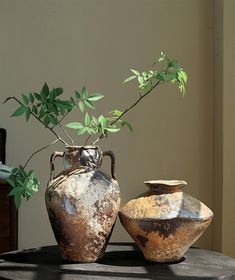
x: 165, y: 186
x: 83, y: 147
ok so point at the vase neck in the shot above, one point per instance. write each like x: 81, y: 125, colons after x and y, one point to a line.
x: 165, y: 186
x: 78, y: 156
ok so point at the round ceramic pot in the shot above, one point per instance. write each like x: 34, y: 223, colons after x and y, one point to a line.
x: 82, y: 203
x: 164, y: 221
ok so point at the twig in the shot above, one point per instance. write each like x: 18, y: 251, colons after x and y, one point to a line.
x: 39, y: 150
x: 51, y: 129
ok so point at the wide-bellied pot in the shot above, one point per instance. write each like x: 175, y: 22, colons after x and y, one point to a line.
x: 164, y: 221
x: 82, y: 203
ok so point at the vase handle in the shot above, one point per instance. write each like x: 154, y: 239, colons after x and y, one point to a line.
x: 52, y: 159
x: 112, y: 157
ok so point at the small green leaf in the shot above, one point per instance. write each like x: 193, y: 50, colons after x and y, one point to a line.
x: 95, y: 97
x: 27, y: 113
x: 81, y: 131
x: 89, y: 104
x: 140, y: 79
x: 20, y: 111
x: 31, y: 97
x: 46, y: 120
x: 37, y: 96
x: 81, y: 106
x: 74, y: 125
x: 137, y: 73
x: 112, y: 129
x: 129, y: 79
x: 58, y: 91
x: 45, y: 90
x: 52, y: 119
x: 63, y: 104
x: 84, y: 93
x: 25, y: 99
x: 87, y: 120
x: 77, y: 95
x: 17, y: 200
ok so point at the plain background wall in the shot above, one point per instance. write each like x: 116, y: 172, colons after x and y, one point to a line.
x: 94, y: 43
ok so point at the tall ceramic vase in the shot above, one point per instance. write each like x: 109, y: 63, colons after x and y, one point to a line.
x: 164, y: 221
x: 82, y: 203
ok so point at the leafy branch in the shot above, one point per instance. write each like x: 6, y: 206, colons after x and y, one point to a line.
x: 172, y: 72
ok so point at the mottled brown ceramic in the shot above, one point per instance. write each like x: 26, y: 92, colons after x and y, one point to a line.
x: 82, y: 203
x: 164, y: 221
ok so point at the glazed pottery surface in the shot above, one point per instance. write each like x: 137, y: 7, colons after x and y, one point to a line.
x: 82, y: 203
x: 164, y: 221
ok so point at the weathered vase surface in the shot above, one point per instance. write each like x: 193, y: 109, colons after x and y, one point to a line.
x: 164, y: 221
x: 82, y: 203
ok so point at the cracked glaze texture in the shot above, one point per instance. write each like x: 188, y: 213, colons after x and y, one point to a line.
x: 165, y: 222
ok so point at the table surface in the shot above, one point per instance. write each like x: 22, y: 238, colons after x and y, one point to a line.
x: 121, y: 261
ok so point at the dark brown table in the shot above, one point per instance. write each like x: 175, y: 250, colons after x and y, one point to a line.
x: 121, y: 261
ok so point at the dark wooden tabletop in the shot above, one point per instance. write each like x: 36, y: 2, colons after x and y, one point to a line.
x: 121, y: 261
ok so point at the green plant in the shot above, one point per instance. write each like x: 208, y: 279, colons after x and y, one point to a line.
x: 50, y: 110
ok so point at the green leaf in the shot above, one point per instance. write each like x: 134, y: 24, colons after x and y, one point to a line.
x: 81, y: 131
x: 53, y: 119
x: 25, y: 99
x: 112, y: 129
x: 77, y: 94
x: 81, y: 106
x: 74, y: 125
x: 89, y: 104
x: 137, y: 73
x: 140, y: 79
x: 129, y: 79
x: 58, y: 91
x: 17, y: 200
x: 64, y: 104
x: 37, y: 96
x: 31, y: 97
x: 27, y: 113
x: 45, y: 90
x: 46, y: 120
x: 84, y: 93
x: 20, y: 111
x: 95, y: 97
x: 87, y: 120
x: 125, y: 123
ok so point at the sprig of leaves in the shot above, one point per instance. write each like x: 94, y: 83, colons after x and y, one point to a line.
x: 46, y: 106
x: 102, y: 124
x: 84, y: 99
x: 23, y: 184
x: 172, y: 72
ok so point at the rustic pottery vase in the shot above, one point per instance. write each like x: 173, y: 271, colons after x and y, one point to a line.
x: 82, y: 203
x: 164, y: 221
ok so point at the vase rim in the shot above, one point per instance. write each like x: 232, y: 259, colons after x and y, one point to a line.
x: 167, y: 183
x: 85, y: 147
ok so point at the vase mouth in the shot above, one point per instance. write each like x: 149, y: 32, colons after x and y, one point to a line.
x: 82, y: 147
x: 165, y: 186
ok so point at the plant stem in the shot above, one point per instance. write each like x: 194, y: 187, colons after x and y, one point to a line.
x: 71, y: 139
x: 128, y: 109
x: 39, y: 150
x: 51, y: 129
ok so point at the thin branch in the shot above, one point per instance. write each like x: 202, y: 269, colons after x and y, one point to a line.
x: 88, y: 138
x: 71, y: 139
x: 39, y: 150
x: 51, y: 129
x: 128, y: 109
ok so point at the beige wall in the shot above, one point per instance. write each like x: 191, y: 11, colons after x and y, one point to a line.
x: 94, y: 43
